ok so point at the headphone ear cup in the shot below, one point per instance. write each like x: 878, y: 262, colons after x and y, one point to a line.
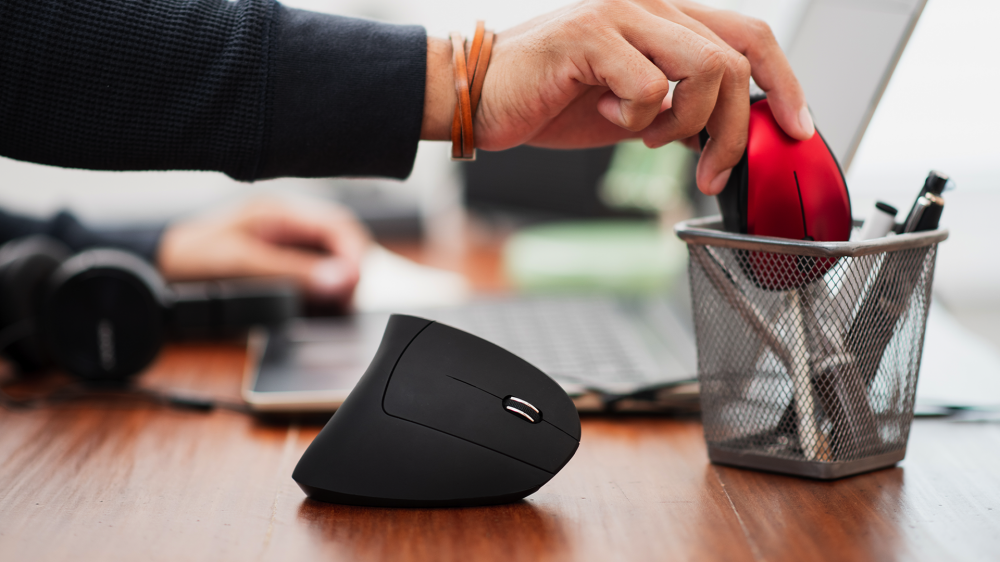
x: 103, y: 315
x: 25, y: 267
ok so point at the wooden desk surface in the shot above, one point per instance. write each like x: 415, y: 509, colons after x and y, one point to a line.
x: 93, y: 481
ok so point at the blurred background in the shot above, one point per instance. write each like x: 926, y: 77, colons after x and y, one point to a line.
x: 939, y: 112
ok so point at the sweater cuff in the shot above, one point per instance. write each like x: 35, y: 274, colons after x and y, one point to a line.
x: 347, y: 96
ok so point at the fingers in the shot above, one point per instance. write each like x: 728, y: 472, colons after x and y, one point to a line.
x: 333, y: 279
x: 727, y: 127
x: 321, y: 276
x: 713, y: 91
x: 545, y: 70
x: 323, y: 227
x: 769, y: 66
x: 637, y: 87
x: 737, y: 36
x: 205, y: 250
x: 576, y: 126
x: 727, y: 124
x: 321, y: 246
x: 694, y: 62
x: 344, y: 235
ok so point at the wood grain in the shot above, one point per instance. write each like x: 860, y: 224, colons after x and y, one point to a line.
x: 133, y: 481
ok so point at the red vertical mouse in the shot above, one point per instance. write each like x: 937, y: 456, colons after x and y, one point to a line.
x: 786, y: 188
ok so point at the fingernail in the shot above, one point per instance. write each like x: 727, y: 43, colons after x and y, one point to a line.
x: 806, y: 121
x: 329, y: 276
x: 719, y: 183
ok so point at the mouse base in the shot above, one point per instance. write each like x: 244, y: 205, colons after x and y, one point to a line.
x: 328, y: 496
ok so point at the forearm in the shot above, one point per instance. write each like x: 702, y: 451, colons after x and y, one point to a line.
x: 248, y: 88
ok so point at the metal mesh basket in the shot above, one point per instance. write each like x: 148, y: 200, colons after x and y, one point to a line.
x: 808, y: 352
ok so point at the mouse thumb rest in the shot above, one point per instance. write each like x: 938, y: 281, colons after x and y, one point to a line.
x: 430, y: 424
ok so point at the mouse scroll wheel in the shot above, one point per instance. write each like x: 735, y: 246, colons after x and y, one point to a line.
x: 522, y: 409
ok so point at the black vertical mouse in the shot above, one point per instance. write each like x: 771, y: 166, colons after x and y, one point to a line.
x: 441, y: 418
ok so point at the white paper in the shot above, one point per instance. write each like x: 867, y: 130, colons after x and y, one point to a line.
x: 390, y: 282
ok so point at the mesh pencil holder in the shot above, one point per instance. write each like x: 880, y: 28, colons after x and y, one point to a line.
x: 808, y: 352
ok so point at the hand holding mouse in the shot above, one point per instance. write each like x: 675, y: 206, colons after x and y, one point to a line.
x: 599, y: 71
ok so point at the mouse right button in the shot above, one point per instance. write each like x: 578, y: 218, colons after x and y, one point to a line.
x: 460, y: 384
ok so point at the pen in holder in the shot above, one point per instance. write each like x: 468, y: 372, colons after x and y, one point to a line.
x: 786, y: 384
x: 789, y: 351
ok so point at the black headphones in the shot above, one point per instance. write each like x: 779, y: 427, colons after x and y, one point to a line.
x: 103, y: 314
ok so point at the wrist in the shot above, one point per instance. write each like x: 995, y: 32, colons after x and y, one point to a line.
x: 439, y: 91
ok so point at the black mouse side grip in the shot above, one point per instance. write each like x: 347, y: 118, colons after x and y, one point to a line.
x: 363, y: 456
x: 733, y: 200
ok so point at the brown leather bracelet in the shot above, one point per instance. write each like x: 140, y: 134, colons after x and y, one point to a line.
x: 477, y: 45
x: 469, y: 90
x: 480, y: 77
x: 460, y: 143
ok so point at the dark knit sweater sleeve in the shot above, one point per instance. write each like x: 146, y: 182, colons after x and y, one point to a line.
x: 249, y: 88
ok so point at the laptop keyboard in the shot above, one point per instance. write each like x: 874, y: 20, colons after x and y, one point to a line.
x: 594, y: 342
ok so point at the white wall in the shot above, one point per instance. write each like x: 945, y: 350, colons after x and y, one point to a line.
x: 940, y: 111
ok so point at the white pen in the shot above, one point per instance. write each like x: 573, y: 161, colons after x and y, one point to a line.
x: 880, y: 222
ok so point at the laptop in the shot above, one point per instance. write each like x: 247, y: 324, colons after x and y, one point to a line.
x: 612, y: 345
x: 610, y: 353
x: 843, y: 53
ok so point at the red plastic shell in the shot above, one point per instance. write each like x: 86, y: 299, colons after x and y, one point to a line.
x: 795, y: 189
x: 774, y: 160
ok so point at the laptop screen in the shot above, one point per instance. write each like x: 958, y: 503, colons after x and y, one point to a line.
x: 843, y: 52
